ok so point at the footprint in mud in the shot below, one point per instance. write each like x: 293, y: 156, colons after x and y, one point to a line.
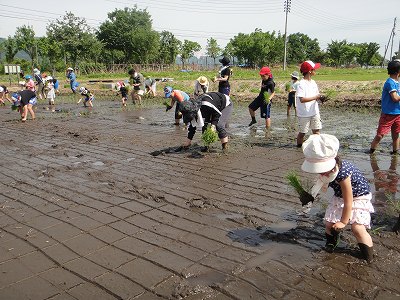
x: 200, y: 202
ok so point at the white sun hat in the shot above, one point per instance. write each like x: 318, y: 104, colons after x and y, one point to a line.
x: 320, y: 151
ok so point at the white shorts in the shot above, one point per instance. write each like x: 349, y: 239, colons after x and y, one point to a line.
x: 305, y: 123
x: 360, y: 213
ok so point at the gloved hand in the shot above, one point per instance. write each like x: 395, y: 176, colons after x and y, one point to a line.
x: 168, y: 107
x: 213, y: 128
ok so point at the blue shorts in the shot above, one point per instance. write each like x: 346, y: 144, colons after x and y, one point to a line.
x: 225, y: 90
x: 33, y: 101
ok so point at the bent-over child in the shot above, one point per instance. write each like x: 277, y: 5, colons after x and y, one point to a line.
x: 87, y: 98
x: 351, y: 203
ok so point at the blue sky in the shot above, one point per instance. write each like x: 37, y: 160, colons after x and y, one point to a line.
x: 354, y: 20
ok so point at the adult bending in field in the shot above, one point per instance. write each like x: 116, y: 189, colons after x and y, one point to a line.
x: 210, y: 108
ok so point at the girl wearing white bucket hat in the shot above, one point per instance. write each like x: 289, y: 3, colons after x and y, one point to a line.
x: 351, y: 203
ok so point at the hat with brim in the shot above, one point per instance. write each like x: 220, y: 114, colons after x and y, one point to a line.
x: 202, y: 80
x: 308, y: 66
x: 320, y: 151
x: 36, y: 71
x: 224, y: 61
x: 295, y: 74
x: 70, y: 69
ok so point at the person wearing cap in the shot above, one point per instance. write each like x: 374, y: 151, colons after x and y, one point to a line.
x: 307, y: 97
x: 39, y: 83
x: 71, y: 77
x: 136, y: 80
x: 224, y: 74
x: 389, y: 120
x: 351, y: 203
x: 200, y: 86
x: 264, y: 98
x: 4, y: 95
x: 213, y: 108
x: 177, y: 97
x: 87, y: 98
x: 29, y: 83
x: 292, y: 88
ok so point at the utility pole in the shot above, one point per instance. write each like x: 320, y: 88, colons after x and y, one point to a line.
x: 392, y: 33
x: 286, y: 9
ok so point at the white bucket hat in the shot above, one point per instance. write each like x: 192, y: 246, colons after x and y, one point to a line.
x: 320, y: 151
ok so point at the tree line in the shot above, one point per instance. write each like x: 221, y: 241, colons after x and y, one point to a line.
x: 127, y: 37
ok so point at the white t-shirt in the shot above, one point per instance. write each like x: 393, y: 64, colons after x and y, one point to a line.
x: 307, y: 88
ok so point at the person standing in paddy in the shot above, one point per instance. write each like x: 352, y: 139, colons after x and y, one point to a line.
x: 390, y: 116
x: 264, y: 98
x: 223, y: 76
x: 351, y: 203
x: 307, y: 97
x: 72, y: 80
x: 292, y: 88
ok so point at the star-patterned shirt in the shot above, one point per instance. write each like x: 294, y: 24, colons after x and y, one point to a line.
x: 359, y: 184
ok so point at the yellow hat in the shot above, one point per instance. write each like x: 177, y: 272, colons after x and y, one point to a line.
x: 202, y: 80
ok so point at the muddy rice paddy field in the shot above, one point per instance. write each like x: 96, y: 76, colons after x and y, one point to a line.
x: 87, y: 212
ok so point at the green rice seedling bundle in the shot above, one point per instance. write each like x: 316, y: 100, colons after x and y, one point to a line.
x: 294, y: 181
x: 209, y: 136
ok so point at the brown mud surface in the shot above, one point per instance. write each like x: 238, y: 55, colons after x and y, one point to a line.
x: 86, y: 212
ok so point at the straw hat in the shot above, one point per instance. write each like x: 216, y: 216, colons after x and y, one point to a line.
x: 320, y: 151
x: 202, y: 80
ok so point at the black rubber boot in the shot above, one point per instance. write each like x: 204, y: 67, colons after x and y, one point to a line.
x: 253, y: 121
x: 332, y: 241
x: 367, y: 253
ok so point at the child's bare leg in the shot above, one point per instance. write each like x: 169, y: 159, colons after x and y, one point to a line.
x: 300, y: 139
x: 31, y: 111
x: 375, y: 142
x: 268, y: 122
x: 24, y: 112
x: 361, y: 234
x: 395, y: 139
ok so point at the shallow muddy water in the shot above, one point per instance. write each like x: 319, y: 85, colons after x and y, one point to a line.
x: 87, y: 208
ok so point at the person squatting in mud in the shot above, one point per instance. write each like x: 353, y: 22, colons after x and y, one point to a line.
x: 351, y: 203
x: 177, y: 97
x: 264, y: 98
x: 24, y: 101
x: 87, y: 98
x: 210, y: 108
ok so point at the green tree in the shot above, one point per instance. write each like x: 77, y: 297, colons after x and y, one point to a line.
x: 301, y: 47
x: 10, y: 48
x: 213, y: 49
x: 187, y: 50
x: 258, y: 48
x: 169, y: 47
x: 130, y: 30
x: 25, y: 39
x: 229, y: 52
x: 366, y: 53
x: 336, y: 52
x: 73, y: 34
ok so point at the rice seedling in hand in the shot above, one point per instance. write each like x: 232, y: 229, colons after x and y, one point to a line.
x: 294, y: 181
x: 209, y: 136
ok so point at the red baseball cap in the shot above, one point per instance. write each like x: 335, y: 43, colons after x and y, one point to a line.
x: 265, y: 71
x: 308, y: 65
